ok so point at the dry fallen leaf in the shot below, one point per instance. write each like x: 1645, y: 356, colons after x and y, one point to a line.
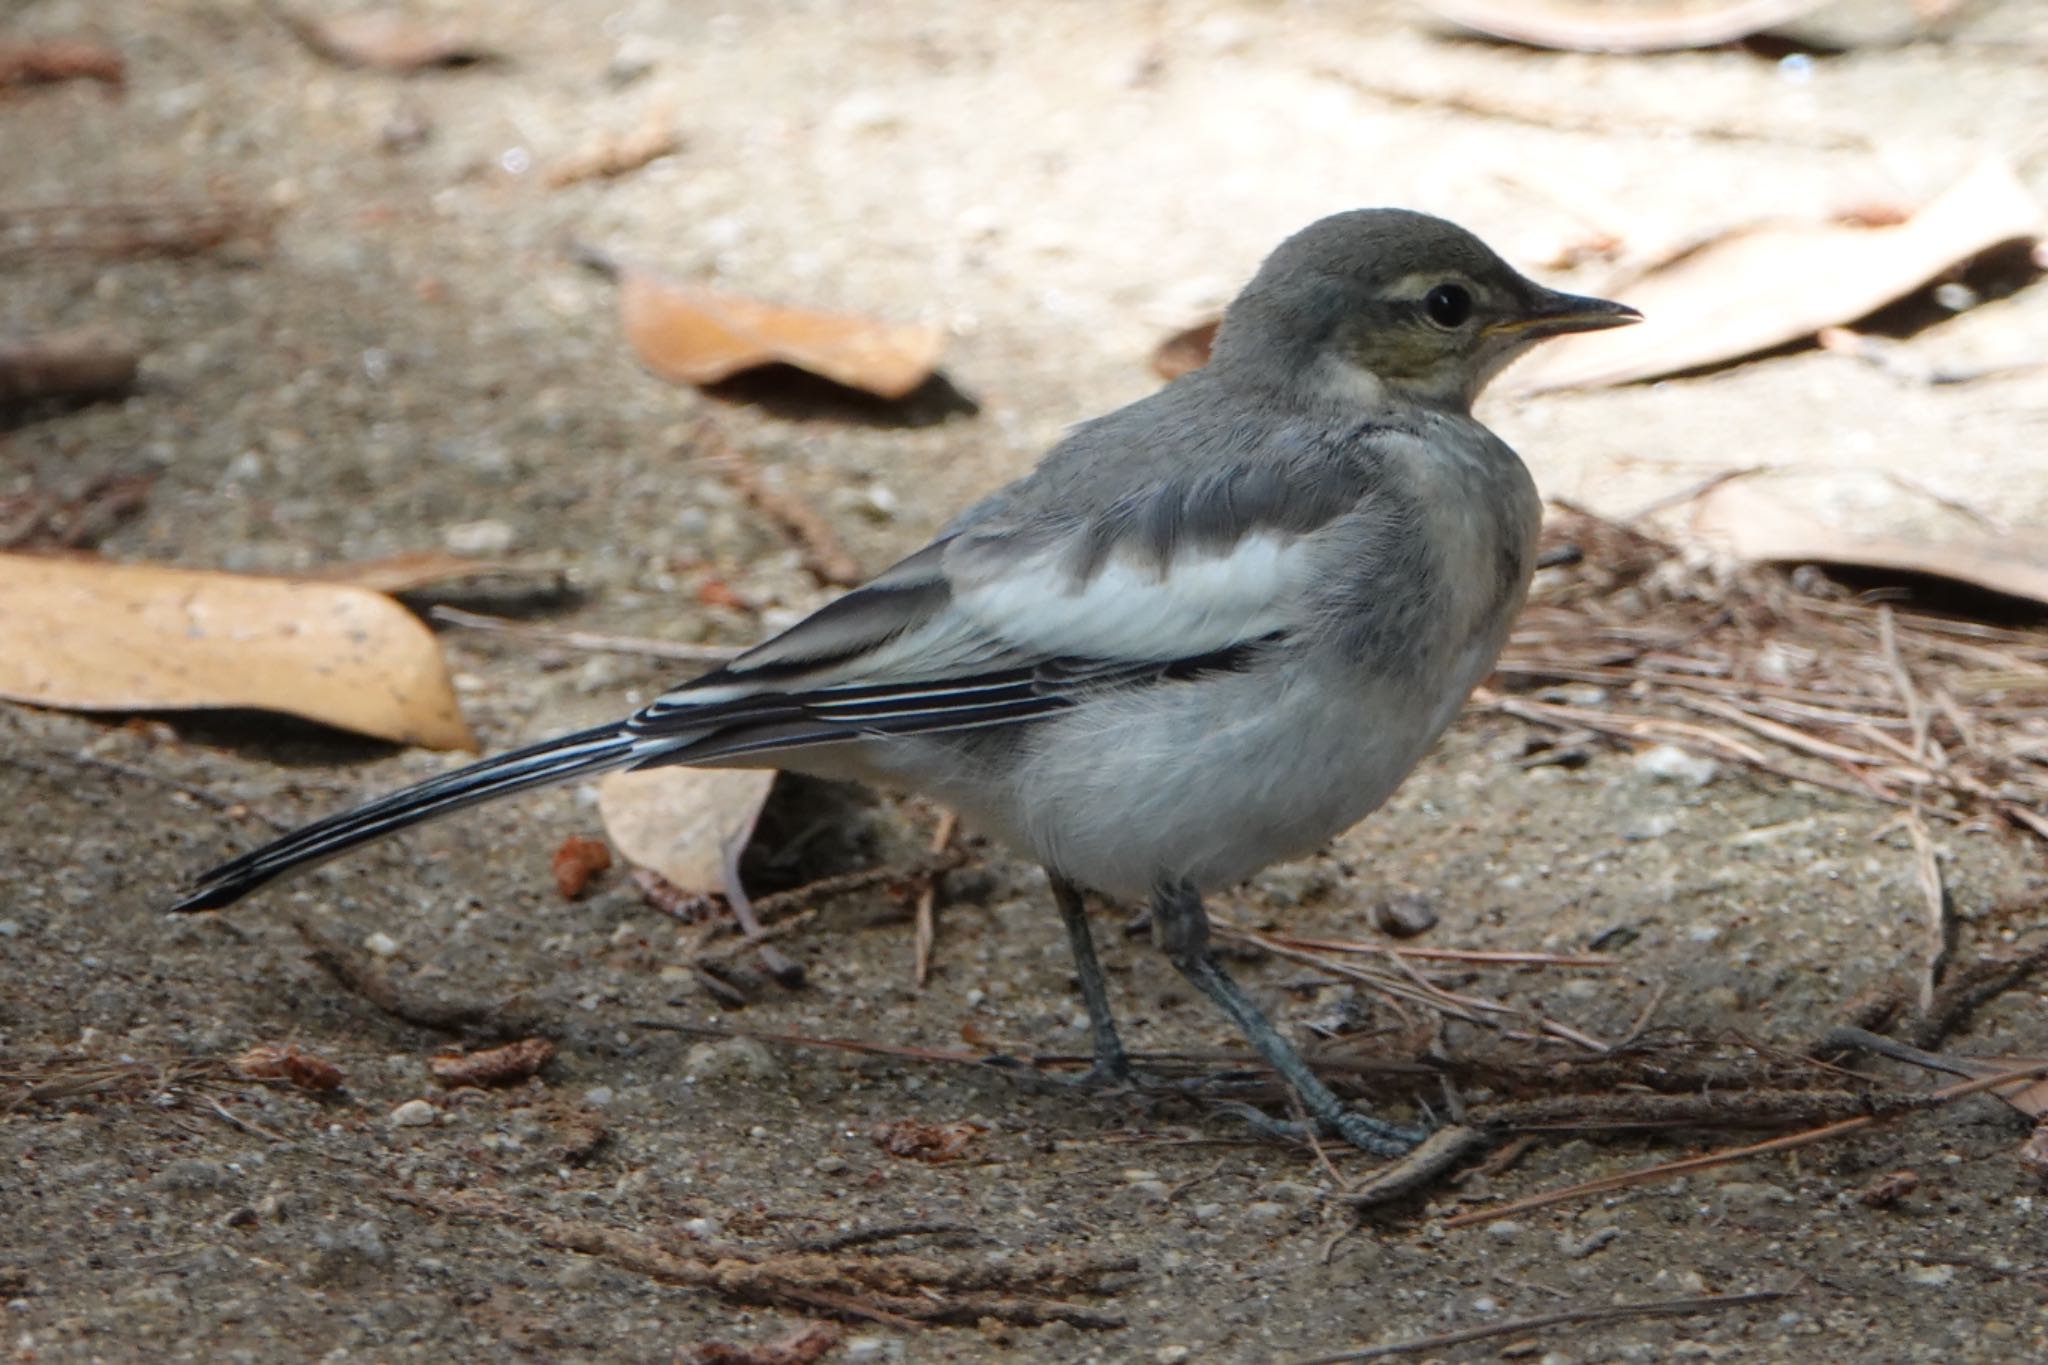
x: 680, y: 821
x: 1602, y: 26
x: 94, y: 636
x: 1186, y: 350
x: 386, y: 40
x: 48, y: 62
x: 692, y: 335
x: 505, y: 1065
x: 576, y: 861
x: 1766, y: 285
x: 269, y: 1062
x: 1793, y: 516
x: 933, y: 1142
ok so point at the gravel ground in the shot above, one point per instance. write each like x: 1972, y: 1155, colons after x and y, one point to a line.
x: 411, y: 363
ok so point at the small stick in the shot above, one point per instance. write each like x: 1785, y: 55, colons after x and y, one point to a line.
x: 927, y: 900
x: 1727, y: 1155
x: 447, y: 1016
x: 827, y: 560
x: 1927, y: 871
x: 1620, y: 1312
x: 585, y: 640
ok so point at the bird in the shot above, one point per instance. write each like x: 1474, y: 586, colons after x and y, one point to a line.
x: 1207, y: 633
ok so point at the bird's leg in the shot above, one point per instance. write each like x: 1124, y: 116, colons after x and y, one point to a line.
x: 1111, y: 1062
x: 1183, y: 929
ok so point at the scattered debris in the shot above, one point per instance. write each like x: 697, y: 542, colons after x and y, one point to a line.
x: 269, y: 1062
x: 691, y: 907
x: 809, y: 1343
x: 932, y: 1142
x: 1615, y: 1312
x: 689, y: 334
x: 1745, y: 668
x: 859, y: 1284
x: 1887, y: 1190
x: 505, y: 1065
x: 38, y: 520
x: 576, y: 861
x: 168, y: 227
x: 1761, y: 286
x: 97, y: 636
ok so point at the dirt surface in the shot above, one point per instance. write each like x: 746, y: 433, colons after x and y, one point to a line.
x: 411, y: 362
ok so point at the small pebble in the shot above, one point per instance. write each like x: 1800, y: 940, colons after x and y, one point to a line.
x: 9, y: 928
x: 1172, y: 1355
x: 1669, y: 763
x: 732, y: 1059
x: 413, y: 1114
x: 478, y: 538
x: 380, y: 944
x: 1404, y: 916
x: 1504, y: 1231
x: 1264, y: 1210
x: 1204, y: 1213
x: 829, y: 1165
x: 598, y: 1096
x: 702, y: 1229
x: 1933, y: 1276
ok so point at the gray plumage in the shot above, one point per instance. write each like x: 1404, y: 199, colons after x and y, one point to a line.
x: 1210, y: 631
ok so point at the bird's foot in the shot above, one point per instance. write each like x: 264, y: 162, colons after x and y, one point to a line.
x: 1362, y: 1131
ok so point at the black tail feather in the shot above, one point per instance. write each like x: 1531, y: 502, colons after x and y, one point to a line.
x: 557, y: 760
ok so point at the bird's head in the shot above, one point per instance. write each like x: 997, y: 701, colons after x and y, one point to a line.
x: 1380, y: 305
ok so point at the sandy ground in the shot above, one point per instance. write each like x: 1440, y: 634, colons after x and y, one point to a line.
x: 1058, y: 186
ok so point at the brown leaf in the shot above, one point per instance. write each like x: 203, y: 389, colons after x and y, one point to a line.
x: 803, y: 1346
x: 680, y: 821
x: 1186, y: 350
x: 932, y: 1142
x: 94, y: 636
x: 692, y: 335
x: 1763, y: 286
x: 269, y: 1062
x: 48, y: 62
x: 385, y: 40
x: 576, y: 862
x: 1602, y: 26
x: 507, y: 1065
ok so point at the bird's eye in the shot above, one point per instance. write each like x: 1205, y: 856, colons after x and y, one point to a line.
x: 1448, y: 305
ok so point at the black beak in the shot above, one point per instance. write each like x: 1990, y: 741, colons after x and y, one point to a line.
x: 1553, y: 314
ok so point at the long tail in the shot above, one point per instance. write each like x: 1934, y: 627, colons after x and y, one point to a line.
x: 581, y: 754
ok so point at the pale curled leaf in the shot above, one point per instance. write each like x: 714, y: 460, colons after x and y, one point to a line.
x: 691, y: 335
x: 681, y: 822
x: 385, y: 40
x: 1763, y: 286
x: 93, y: 636
x: 1603, y: 26
x: 1860, y: 519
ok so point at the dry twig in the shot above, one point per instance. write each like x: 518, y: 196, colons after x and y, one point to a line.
x: 1619, y: 1312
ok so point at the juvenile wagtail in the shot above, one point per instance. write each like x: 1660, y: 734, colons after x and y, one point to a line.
x: 1210, y: 631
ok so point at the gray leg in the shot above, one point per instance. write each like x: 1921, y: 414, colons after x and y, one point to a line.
x: 1183, y: 929
x: 1111, y: 1063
